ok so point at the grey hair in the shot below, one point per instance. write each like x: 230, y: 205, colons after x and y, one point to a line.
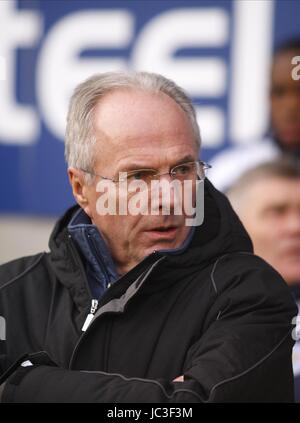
x: 80, y: 139
x: 285, y: 167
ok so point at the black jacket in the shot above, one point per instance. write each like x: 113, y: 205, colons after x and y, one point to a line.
x: 216, y: 314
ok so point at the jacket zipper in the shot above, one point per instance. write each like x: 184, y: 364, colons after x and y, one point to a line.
x: 91, y: 315
x: 94, y: 302
x: 87, y: 326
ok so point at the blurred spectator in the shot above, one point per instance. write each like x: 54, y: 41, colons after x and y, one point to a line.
x: 284, y: 133
x: 267, y: 200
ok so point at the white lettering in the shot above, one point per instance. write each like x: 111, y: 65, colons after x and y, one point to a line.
x: 60, y: 67
x: 19, y: 124
x: 296, y: 69
x: 248, y: 100
x: 173, y: 30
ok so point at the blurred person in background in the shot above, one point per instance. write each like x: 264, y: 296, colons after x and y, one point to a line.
x: 284, y: 132
x: 267, y: 200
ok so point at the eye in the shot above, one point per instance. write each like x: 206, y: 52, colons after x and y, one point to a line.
x: 277, y: 210
x: 183, y: 169
x: 139, y: 175
x: 278, y: 91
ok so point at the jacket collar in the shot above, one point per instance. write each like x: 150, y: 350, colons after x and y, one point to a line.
x: 98, y: 262
x: 99, y: 265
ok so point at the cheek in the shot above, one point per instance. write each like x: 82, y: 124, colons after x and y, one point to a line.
x: 187, y: 196
x: 111, y: 214
x: 121, y: 228
x: 264, y: 237
x: 276, y: 112
x: 267, y: 234
x: 260, y: 230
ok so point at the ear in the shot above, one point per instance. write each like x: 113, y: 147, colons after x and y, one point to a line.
x: 79, y: 188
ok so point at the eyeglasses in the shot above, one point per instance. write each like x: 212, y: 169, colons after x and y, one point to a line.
x: 185, y: 171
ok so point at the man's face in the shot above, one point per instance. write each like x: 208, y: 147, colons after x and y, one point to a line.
x: 285, y: 101
x: 271, y: 216
x: 139, y: 130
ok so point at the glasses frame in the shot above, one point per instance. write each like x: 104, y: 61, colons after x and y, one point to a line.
x: 205, y: 166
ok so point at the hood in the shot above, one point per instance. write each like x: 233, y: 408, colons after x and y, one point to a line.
x: 221, y: 233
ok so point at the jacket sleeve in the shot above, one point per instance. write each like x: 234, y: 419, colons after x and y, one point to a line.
x: 243, y: 354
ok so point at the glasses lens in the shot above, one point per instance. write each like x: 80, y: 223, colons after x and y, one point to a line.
x: 202, y: 168
x: 144, y: 175
x: 185, y: 171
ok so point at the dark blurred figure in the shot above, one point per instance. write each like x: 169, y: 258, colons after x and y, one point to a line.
x: 285, y: 99
x: 267, y: 200
x: 284, y: 133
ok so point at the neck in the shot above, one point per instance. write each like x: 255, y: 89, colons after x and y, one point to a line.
x: 123, y: 267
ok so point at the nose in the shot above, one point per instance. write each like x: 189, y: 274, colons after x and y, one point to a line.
x: 165, y: 177
x: 292, y: 224
x: 292, y: 103
x: 166, y: 195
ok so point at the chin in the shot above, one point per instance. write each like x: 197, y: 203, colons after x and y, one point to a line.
x: 160, y: 246
x: 292, y: 143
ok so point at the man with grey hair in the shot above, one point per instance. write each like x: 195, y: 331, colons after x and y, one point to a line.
x: 142, y: 299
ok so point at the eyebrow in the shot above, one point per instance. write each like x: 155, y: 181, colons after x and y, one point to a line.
x: 137, y: 165
x: 278, y: 206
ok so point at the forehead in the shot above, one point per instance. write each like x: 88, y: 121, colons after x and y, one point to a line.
x: 282, y: 66
x: 275, y: 190
x: 139, y: 121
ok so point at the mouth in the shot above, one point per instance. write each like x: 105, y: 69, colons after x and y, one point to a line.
x: 163, y: 232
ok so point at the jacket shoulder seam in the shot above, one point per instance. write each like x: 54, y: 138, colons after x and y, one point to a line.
x: 212, y: 274
x: 14, y: 279
x: 245, y: 372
